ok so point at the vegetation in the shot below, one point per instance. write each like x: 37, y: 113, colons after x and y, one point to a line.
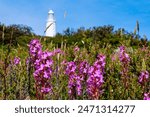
x: 124, y: 73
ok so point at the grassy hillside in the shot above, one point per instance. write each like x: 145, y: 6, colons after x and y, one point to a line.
x: 95, y: 63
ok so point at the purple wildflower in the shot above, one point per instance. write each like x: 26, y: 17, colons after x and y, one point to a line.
x: 123, y: 56
x: 83, y: 67
x: 143, y: 76
x: 43, y: 69
x: 16, y: 60
x: 76, y: 49
x: 27, y: 60
x: 146, y: 96
x: 71, y: 67
x: 46, y: 90
x: 95, y: 77
x: 75, y: 80
x: 124, y: 59
x: 64, y: 62
x: 70, y: 71
x: 58, y: 51
x: 35, y: 49
x: 42, y: 62
x: 78, y: 85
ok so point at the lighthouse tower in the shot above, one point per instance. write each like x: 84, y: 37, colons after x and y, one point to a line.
x: 50, y: 30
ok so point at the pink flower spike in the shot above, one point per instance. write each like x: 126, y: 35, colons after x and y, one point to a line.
x: 76, y: 49
x: 143, y: 76
x: 146, y: 96
x: 16, y: 60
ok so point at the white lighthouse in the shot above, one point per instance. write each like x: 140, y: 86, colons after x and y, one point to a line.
x: 50, y: 25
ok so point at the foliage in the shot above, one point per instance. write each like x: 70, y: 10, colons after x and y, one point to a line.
x: 125, y: 74
x: 18, y: 81
x: 13, y: 33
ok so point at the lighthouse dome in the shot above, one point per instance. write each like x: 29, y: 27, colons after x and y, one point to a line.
x: 50, y: 12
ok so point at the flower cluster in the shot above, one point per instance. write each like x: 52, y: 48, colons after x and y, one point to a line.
x: 76, y: 75
x: 42, y: 62
x: 43, y: 72
x: 95, y: 77
x: 16, y: 60
x: 124, y: 59
x: 143, y: 76
x: 72, y: 84
x: 123, y: 56
x: 146, y: 96
x: 83, y: 67
x: 35, y: 50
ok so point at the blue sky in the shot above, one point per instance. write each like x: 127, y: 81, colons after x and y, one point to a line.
x: 80, y: 13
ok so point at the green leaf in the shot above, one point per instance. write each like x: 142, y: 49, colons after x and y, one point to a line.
x: 143, y: 65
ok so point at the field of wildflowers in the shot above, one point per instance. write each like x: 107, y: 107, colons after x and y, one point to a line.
x: 44, y: 71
